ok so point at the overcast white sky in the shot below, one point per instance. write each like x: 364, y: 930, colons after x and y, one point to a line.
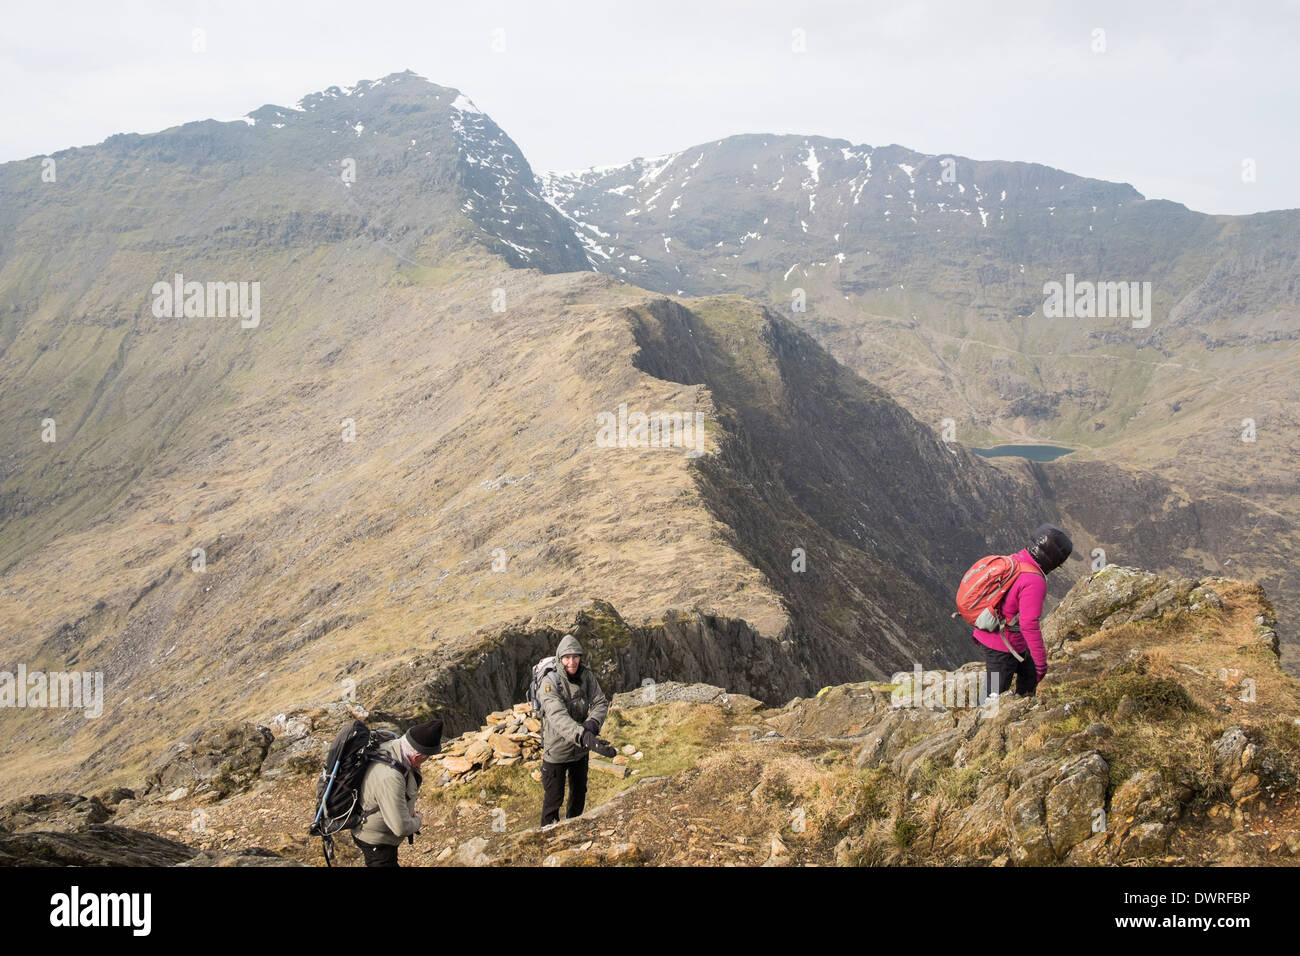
x: 1182, y: 94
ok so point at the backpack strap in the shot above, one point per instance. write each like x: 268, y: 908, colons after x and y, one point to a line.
x: 1031, y: 568
x: 1002, y: 633
x: 1022, y: 567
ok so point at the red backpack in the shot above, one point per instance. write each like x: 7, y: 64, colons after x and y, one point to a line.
x: 982, y: 588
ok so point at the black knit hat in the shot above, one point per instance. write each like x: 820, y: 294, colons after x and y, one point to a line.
x: 426, y: 738
x: 1050, y: 546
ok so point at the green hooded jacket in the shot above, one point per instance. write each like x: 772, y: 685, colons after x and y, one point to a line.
x: 567, y: 703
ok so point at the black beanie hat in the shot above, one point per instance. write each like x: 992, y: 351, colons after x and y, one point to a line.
x: 1049, y: 546
x: 426, y: 738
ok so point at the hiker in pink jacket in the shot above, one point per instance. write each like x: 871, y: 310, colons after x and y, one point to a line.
x: 1026, y: 659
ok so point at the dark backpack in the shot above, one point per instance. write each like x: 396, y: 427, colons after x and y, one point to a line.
x: 338, y: 791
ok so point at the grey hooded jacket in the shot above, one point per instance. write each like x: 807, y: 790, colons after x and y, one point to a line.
x: 567, y: 703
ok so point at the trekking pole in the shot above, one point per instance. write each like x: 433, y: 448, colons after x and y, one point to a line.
x: 326, y: 796
x: 326, y: 841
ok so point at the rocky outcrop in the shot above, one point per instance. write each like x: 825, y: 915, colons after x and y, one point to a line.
x: 669, y: 691
x: 1248, y: 766
x: 57, y: 812
x: 223, y: 759
x: 1121, y: 595
x: 1035, y: 778
x: 1041, y: 806
x: 686, y: 647
x: 67, y: 829
x: 1054, y: 808
x: 301, y: 735
x: 97, y: 845
x: 109, y: 845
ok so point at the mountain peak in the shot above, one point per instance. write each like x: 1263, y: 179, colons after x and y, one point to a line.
x: 404, y: 86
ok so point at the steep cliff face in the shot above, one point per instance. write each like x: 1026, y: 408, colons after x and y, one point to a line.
x: 814, y: 458
x: 683, y: 647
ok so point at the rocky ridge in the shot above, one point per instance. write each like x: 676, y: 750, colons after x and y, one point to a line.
x: 1165, y: 734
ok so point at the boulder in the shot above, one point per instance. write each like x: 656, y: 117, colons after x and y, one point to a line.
x: 115, y: 795
x: 1145, y: 839
x: 1072, y: 805
x: 938, y: 747
x: 980, y: 826
x: 53, y: 812
x: 617, y: 854
x: 1025, y: 821
x: 252, y: 856
x: 503, y: 746
x: 1053, y: 805
x: 1137, y: 798
x: 470, y: 853
x: 457, y: 765
x: 1095, y: 600
x: 478, y: 753
x: 227, y: 758
x: 97, y: 845
x: 624, y: 854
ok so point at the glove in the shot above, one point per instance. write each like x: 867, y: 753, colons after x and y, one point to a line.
x: 602, y: 747
x: 592, y: 725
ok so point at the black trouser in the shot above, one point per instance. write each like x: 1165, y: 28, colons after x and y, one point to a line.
x: 553, y: 789
x: 377, y: 854
x: 1001, y: 666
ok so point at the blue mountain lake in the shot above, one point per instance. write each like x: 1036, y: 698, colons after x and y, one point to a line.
x: 1032, y: 452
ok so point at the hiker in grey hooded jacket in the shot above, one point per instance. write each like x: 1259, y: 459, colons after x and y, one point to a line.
x: 573, y: 711
x: 567, y: 708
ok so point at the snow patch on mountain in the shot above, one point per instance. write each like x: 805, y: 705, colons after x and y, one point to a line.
x: 465, y: 105
x: 812, y: 165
